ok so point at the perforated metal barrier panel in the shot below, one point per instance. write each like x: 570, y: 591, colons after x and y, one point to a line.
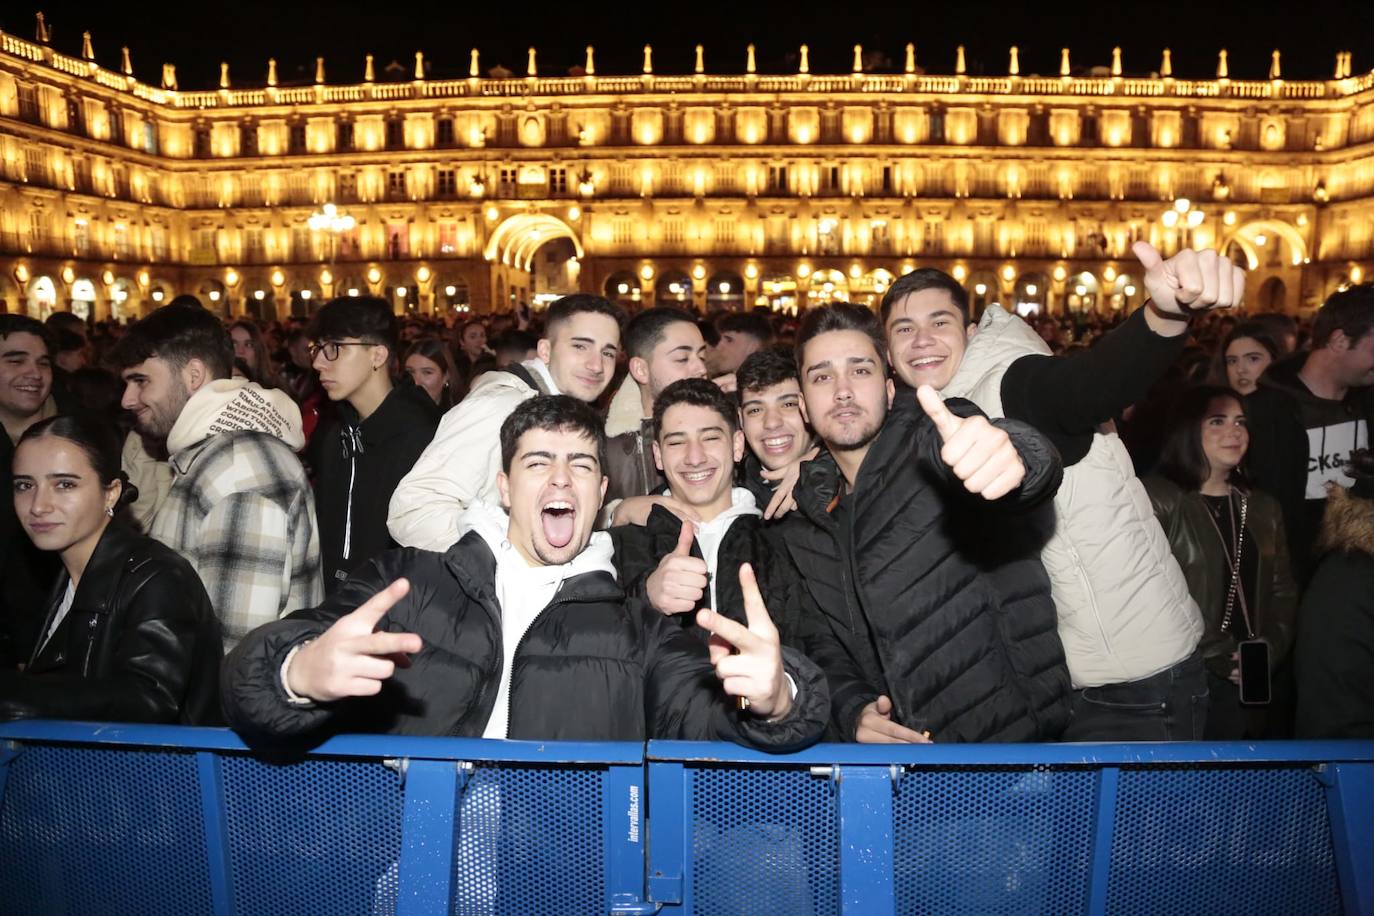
x: 993, y: 840
x: 763, y: 841
x: 529, y: 842
x: 87, y: 830
x: 152, y: 820
x: 317, y: 836
x: 1192, y: 840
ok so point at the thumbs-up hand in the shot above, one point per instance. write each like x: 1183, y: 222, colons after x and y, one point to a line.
x: 1190, y: 281
x: 351, y: 659
x: 980, y: 454
x: 678, y: 583
x: 748, y: 660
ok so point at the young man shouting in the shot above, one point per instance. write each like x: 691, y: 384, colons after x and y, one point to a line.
x: 520, y: 631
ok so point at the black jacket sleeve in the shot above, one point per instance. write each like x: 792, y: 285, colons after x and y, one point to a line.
x: 684, y: 698
x: 1044, y: 469
x: 164, y: 632
x: 1068, y: 397
x: 255, y: 700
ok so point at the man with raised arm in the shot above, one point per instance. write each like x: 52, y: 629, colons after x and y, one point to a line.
x: 459, y: 467
x: 1129, y: 627
x: 897, y: 520
x: 520, y: 630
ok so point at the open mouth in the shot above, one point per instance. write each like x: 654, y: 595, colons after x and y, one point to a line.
x: 698, y: 477
x: 925, y: 363
x: 559, y: 519
x: 778, y: 445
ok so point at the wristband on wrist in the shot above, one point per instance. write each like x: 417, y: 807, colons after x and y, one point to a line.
x: 1167, y: 316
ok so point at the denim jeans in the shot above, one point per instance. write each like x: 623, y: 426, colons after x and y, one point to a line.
x: 1169, y: 706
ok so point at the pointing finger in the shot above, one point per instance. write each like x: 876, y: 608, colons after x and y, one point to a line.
x: 727, y: 630
x: 371, y: 611
x: 755, y: 610
x: 947, y: 423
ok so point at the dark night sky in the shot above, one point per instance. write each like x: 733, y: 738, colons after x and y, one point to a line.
x: 197, y: 35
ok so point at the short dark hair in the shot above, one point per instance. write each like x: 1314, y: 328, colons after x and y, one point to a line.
x: 840, y: 316
x: 556, y: 412
x: 755, y: 325
x: 514, y: 341
x: 576, y: 304
x: 178, y: 334
x: 1276, y: 325
x: 696, y: 392
x: 765, y: 368
x: 917, y: 280
x: 645, y: 330
x: 1181, y: 458
x: 367, y: 318
x: 23, y: 324
x: 1350, y: 310
x: 70, y: 322
x: 97, y: 438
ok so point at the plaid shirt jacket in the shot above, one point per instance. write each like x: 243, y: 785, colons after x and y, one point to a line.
x: 241, y: 511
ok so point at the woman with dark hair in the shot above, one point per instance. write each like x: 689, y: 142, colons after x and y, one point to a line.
x: 1245, y: 352
x: 1230, y: 542
x: 430, y: 366
x: 251, y: 348
x: 129, y: 634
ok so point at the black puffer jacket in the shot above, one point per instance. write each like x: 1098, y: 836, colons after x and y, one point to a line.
x: 638, y: 551
x: 920, y: 598
x: 591, y: 667
x: 140, y: 643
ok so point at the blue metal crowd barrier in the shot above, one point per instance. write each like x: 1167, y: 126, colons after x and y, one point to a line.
x: 100, y: 818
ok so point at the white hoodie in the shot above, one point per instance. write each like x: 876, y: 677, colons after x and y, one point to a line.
x: 523, y: 591
x: 233, y: 404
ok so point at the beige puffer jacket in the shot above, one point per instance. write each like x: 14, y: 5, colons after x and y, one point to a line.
x: 1124, y: 608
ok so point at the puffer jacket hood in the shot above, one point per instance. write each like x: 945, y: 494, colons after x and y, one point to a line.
x: 232, y: 405
x: 1001, y: 338
x: 1348, y: 524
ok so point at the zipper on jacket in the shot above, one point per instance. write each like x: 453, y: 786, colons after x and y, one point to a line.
x: 90, y: 646
x: 515, y: 656
x: 348, y: 518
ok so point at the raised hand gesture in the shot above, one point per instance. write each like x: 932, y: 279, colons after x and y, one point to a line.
x: 980, y: 454
x: 352, y: 659
x: 748, y: 659
x: 1190, y: 281
x: 679, y: 582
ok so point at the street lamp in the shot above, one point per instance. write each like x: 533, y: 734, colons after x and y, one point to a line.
x: 329, y: 219
x: 1185, y: 217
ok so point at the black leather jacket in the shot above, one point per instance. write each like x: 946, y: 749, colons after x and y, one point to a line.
x: 1199, y: 552
x: 141, y: 643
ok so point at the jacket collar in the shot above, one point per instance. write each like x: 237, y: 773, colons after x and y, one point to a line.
x: 474, y: 566
x: 99, y: 583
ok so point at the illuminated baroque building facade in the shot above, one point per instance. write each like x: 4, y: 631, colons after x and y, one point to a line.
x: 717, y: 191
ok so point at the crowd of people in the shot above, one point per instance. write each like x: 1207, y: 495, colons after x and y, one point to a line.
x: 907, y: 524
